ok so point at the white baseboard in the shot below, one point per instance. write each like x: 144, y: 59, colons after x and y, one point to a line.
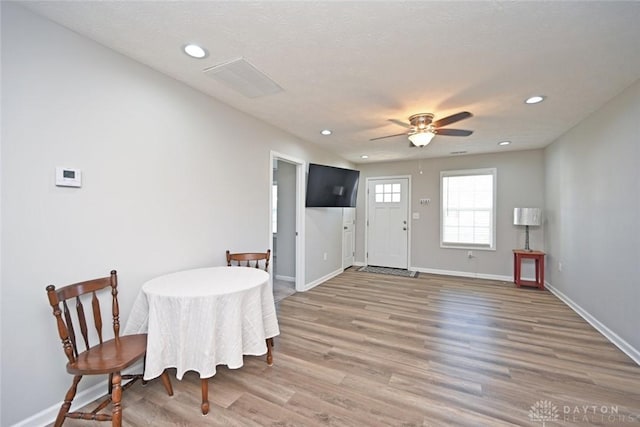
x: 463, y: 274
x: 358, y: 264
x: 285, y: 278
x: 48, y: 416
x: 615, y: 339
x: 83, y: 398
x: 322, y: 280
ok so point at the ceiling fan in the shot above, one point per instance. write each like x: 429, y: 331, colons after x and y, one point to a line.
x: 422, y: 128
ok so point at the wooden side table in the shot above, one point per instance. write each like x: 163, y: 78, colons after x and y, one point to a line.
x: 538, y: 256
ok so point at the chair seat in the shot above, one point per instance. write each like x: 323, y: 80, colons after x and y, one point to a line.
x: 110, y: 356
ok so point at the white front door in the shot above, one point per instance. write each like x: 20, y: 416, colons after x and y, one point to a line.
x: 388, y: 223
x: 348, y: 236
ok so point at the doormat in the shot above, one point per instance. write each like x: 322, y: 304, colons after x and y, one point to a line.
x: 389, y: 270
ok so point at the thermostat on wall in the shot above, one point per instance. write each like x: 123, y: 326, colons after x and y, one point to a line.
x: 68, y: 177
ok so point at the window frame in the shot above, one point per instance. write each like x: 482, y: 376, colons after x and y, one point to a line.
x: 492, y: 232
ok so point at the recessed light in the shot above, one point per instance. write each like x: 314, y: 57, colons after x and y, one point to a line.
x: 364, y: 156
x: 326, y: 132
x: 534, y: 99
x: 504, y: 142
x: 195, y: 51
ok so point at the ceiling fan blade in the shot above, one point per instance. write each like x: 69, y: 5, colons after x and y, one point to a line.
x: 453, y: 132
x: 451, y: 119
x: 400, y: 123
x: 389, y: 136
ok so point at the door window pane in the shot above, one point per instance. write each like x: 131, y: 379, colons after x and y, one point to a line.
x: 388, y: 193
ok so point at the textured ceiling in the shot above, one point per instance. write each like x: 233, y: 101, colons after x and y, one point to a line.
x: 352, y: 66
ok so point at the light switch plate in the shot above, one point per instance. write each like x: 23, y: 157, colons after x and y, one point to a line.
x: 68, y: 177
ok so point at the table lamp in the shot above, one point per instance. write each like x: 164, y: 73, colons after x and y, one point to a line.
x: 526, y: 217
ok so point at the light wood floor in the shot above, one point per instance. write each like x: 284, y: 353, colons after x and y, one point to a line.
x: 282, y: 289
x: 368, y: 350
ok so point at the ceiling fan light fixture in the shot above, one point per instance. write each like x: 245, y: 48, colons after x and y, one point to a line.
x: 421, y: 138
x: 422, y: 128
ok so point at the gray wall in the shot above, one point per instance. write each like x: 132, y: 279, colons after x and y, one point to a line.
x: 593, y: 215
x: 327, y: 247
x: 520, y: 183
x: 171, y: 179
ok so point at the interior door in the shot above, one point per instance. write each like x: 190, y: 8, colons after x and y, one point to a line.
x: 348, y: 236
x: 387, y: 222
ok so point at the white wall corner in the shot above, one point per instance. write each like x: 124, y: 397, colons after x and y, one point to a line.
x: 615, y: 339
x: 322, y: 279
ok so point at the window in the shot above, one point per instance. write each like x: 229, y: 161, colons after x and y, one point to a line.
x: 468, y: 209
x: 387, y: 193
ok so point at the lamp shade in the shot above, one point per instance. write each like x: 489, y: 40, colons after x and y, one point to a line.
x: 421, y: 138
x: 526, y: 216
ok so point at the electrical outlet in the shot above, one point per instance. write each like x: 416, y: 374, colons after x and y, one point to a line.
x: 324, y: 256
x: 559, y: 266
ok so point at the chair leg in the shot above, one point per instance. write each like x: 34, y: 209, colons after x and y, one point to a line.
x: 166, y: 382
x: 116, y: 398
x: 68, y: 398
x: 269, y: 351
x: 205, y: 395
x: 144, y: 366
x: 109, y: 382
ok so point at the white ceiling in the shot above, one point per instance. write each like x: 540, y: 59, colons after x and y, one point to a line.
x: 352, y: 66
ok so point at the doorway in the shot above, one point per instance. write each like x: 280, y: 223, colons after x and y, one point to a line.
x: 286, y: 231
x: 388, y: 222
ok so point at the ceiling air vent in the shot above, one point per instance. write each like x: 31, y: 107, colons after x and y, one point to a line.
x: 241, y: 76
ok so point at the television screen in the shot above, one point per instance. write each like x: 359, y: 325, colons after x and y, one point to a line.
x: 331, y: 187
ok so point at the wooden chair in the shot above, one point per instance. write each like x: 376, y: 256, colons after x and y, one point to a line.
x: 247, y: 258
x: 102, y: 357
x: 252, y: 259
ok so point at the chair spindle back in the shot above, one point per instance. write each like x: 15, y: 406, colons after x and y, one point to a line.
x: 66, y: 295
x: 249, y: 259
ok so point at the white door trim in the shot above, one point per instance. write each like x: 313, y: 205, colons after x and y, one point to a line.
x: 366, y: 216
x: 300, y: 214
x: 352, y: 242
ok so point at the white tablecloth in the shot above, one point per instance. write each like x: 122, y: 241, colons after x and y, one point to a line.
x: 197, y: 319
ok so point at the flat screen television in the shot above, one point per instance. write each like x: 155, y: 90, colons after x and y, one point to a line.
x: 331, y: 187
